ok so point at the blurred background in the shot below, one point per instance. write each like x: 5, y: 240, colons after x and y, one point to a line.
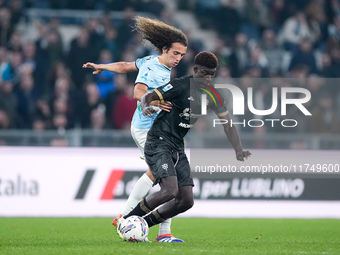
x: 47, y: 99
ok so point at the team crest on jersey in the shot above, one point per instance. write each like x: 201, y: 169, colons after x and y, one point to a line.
x: 145, y: 76
x: 167, y: 88
x: 186, y: 113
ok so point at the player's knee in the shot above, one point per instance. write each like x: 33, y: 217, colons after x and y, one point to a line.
x: 188, y: 203
x: 169, y: 193
x: 185, y: 204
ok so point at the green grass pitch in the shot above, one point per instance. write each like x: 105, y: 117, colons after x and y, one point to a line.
x: 201, y: 235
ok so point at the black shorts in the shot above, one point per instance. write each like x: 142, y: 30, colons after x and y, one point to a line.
x: 164, y: 162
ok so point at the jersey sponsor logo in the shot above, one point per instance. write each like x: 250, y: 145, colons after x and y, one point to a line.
x: 191, y: 98
x: 165, y: 167
x: 184, y: 125
x: 145, y: 76
x: 186, y: 113
x: 167, y: 88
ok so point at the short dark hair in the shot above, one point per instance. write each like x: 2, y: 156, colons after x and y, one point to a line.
x: 207, y: 59
x: 159, y: 34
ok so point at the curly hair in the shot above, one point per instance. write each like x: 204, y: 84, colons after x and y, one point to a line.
x: 158, y: 33
x: 207, y: 59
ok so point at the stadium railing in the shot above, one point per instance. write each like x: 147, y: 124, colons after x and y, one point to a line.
x: 122, y: 138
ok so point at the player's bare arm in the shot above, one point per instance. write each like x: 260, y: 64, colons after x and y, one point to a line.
x: 141, y: 89
x: 145, y: 103
x: 117, y: 67
x: 234, y: 139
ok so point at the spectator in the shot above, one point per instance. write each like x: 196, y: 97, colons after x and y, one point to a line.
x: 294, y: 30
x: 124, y: 29
x: 98, y: 120
x: 26, y: 97
x: 6, y: 27
x: 228, y: 20
x: 53, y: 47
x: 15, y: 42
x: 36, y: 61
x: 110, y: 41
x: 57, y: 70
x: 334, y: 29
x: 59, y: 122
x: 257, y: 62
x: 206, y: 11
x: 325, y: 117
x: 299, y: 72
x: 195, y: 44
x: 16, y: 62
x: 4, y: 65
x: 315, y: 12
x: 155, y: 7
x: 62, y: 88
x: 15, y: 7
x: 279, y: 13
x: 167, y: 17
x: 4, y: 120
x: 272, y: 51
x: 239, y: 56
x: 63, y: 100
x: 43, y: 115
x: 304, y: 56
x: 335, y: 56
x: 105, y: 80
x: 80, y: 52
x: 223, y: 72
x: 258, y: 14
x: 124, y: 109
x: 8, y: 102
x: 325, y: 69
x: 88, y: 101
x: 96, y: 35
x: 121, y: 82
x: 61, y: 107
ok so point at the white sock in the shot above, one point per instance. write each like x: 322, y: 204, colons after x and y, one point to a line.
x: 164, y: 227
x: 139, y: 191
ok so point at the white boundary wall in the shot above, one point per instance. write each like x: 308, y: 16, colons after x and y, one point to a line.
x: 44, y: 182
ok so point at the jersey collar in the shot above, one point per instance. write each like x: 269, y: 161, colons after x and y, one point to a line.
x: 163, y: 65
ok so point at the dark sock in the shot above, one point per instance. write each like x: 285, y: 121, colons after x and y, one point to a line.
x: 140, y: 210
x: 154, y: 218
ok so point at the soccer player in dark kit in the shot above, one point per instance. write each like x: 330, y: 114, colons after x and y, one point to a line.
x: 164, y: 148
x: 153, y: 71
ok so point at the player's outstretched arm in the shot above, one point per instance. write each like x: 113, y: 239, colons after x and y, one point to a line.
x: 234, y: 139
x: 145, y: 103
x: 117, y: 67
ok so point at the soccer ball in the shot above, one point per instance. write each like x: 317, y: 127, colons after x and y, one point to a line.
x: 134, y: 229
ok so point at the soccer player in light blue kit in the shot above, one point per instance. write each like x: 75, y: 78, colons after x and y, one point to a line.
x: 153, y: 72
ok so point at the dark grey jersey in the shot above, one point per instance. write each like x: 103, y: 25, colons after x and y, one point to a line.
x: 185, y: 96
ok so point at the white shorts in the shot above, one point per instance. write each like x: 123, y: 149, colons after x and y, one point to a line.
x: 139, y: 136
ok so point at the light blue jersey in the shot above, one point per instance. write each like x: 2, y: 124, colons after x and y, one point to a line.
x: 152, y: 74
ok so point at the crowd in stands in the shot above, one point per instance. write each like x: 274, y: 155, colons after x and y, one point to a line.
x: 44, y: 87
